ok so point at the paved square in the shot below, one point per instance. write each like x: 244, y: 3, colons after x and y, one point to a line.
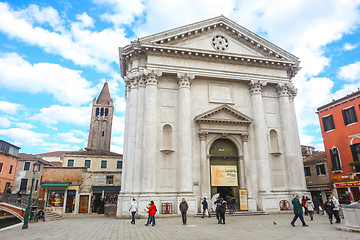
x: 236, y: 227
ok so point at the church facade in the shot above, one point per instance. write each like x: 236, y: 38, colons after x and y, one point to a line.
x: 210, y: 109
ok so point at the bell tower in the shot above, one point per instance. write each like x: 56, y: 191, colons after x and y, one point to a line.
x: 101, y: 121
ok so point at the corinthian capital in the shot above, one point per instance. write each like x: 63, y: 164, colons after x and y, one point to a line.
x: 152, y: 76
x: 185, y: 79
x: 256, y: 86
x: 286, y: 90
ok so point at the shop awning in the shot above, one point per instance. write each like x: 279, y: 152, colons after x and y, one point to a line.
x: 106, y: 189
x: 55, y: 185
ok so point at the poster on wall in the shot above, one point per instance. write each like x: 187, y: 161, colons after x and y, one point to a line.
x: 223, y: 175
x: 243, y: 200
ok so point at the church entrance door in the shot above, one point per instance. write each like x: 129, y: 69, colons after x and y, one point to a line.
x: 224, y: 169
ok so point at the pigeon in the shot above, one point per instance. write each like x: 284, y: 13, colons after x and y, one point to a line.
x: 274, y: 222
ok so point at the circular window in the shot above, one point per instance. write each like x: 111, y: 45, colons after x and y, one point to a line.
x: 220, y: 43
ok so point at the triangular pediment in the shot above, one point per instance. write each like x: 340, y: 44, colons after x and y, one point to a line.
x: 224, y: 114
x: 218, y: 35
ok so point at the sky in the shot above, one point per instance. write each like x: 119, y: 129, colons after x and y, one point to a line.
x: 56, y: 55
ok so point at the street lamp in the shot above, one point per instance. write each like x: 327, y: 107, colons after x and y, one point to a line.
x: 36, y: 168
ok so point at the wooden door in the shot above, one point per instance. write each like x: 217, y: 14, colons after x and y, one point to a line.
x: 84, y: 204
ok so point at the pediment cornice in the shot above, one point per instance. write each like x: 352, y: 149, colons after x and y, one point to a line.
x: 214, y: 116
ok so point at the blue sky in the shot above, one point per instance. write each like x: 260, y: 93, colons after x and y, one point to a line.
x: 55, y: 56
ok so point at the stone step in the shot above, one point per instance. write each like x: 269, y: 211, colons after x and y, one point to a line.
x: 52, y: 216
x: 238, y: 213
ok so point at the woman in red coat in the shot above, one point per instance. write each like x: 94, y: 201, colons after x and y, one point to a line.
x: 152, y: 210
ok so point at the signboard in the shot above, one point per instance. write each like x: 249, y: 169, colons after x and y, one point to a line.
x: 243, y: 200
x: 223, y: 175
x: 348, y: 184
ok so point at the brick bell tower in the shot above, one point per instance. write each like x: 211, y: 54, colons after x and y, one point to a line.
x: 101, y: 121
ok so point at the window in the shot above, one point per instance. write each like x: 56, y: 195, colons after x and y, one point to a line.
x: 55, y: 198
x: 70, y: 163
x: 328, y: 123
x: 23, y: 184
x: 307, y: 171
x: 335, y: 160
x: 320, y: 169
x: 87, y: 163
x: 355, y: 150
x: 110, y: 179
x: 1, y: 166
x: 26, y: 166
x: 103, y: 164
x: 119, y: 165
x: 97, y: 112
x: 106, y: 112
x: 11, y: 168
x: 36, y: 185
x: 349, y: 115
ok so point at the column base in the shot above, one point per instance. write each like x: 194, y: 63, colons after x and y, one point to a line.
x: 144, y: 199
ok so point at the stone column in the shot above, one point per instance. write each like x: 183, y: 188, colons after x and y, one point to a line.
x: 138, y: 163
x: 247, y: 167
x: 204, y: 167
x: 125, y: 153
x: 291, y: 143
x: 241, y: 171
x: 260, y: 137
x: 131, y: 134
x: 150, y: 132
x: 184, y: 133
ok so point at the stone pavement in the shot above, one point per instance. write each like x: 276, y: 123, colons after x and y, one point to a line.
x: 236, y: 227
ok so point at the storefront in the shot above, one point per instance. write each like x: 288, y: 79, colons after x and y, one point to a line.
x: 61, y: 198
x: 348, y: 192
x: 104, y: 199
x: 322, y: 193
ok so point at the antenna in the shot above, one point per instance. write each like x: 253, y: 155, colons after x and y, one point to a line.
x: 329, y: 86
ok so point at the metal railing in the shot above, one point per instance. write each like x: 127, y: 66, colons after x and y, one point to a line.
x: 13, y: 199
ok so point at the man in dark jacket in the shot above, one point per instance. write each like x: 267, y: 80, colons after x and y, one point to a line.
x: 222, y: 211
x: 183, y: 209
x: 297, y: 211
x: 205, y: 207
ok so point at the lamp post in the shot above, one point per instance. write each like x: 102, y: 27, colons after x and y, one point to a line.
x: 36, y: 168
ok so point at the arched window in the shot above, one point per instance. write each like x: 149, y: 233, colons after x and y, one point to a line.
x: 274, y: 142
x: 102, y: 112
x: 97, y: 112
x: 103, y: 133
x: 167, y: 139
x: 106, y: 112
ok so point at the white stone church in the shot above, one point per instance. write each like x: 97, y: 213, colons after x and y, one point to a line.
x: 210, y: 109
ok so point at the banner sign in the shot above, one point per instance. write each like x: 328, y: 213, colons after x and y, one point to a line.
x: 243, y: 199
x: 223, y: 175
x: 348, y: 184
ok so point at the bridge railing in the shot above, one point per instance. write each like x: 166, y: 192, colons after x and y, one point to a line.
x: 22, y: 202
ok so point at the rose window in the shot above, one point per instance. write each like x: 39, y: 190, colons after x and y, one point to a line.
x: 220, y: 43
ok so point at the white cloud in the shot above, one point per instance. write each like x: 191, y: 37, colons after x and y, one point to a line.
x: 119, y: 103
x: 116, y: 149
x: 83, y: 47
x: 50, y: 147
x: 24, y: 137
x: 70, y: 137
x: 85, y: 20
x: 66, y: 85
x: 117, y: 140
x: 349, y: 46
x: 350, y: 72
x: 4, y: 122
x: 25, y: 125
x: 8, y: 107
x: 118, y: 125
x: 122, y: 11
x: 64, y: 114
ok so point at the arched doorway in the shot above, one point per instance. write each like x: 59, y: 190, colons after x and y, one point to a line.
x: 224, y: 159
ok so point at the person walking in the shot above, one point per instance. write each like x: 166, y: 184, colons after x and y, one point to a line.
x: 303, y: 203
x: 205, y: 207
x: 336, y: 208
x: 297, y: 211
x: 183, y: 209
x: 222, y: 211
x: 310, y: 207
x: 151, y: 210
x: 155, y: 211
x: 133, y: 209
x: 329, y: 208
x: 316, y: 204
x: 217, y: 210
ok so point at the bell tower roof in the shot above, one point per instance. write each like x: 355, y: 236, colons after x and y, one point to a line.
x: 104, y: 97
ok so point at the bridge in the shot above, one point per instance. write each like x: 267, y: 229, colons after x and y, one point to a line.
x: 11, y: 205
